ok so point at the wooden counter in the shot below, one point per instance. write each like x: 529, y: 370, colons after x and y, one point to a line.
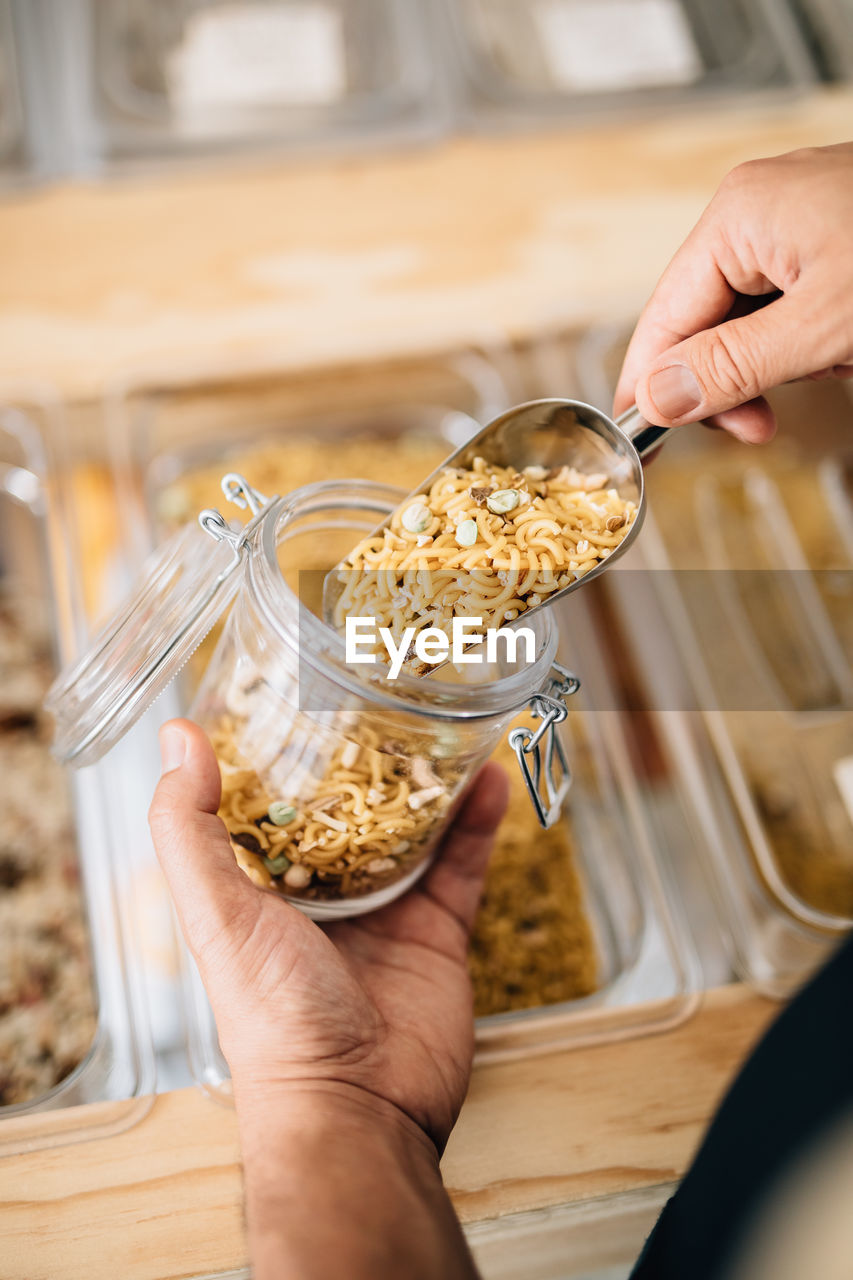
x: 298, y: 265
x: 303, y: 263
x: 537, y: 1146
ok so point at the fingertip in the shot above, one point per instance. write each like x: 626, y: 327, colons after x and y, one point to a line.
x: 189, y: 731
x: 186, y: 748
x: 670, y: 395
x: 673, y: 396
x: 173, y: 746
x: 645, y: 401
x: 648, y: 408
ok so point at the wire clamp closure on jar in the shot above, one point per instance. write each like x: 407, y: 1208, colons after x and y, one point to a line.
x: 551, y: 710
x: 237, y: 490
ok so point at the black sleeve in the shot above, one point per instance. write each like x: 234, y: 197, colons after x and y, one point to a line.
x: 797, y: 1081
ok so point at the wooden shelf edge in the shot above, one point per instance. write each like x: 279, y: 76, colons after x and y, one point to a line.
x: 300, y: 265
x: 535, y: 1136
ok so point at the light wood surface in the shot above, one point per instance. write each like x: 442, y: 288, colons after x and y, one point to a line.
x: 299, y: 264
x: 537, y: 1146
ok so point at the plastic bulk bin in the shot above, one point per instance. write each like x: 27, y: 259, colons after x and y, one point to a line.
x: 740, y: 609
x: 174, y: 433
x: 73, y: 1023
x: 562, y: 60
x: 158, y: 78
x: 775, y: 677
x: 648, y: 975
x: 585, y: 365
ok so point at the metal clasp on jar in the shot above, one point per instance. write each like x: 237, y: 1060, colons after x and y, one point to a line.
x: 237, y: 490
x: 531, y: 745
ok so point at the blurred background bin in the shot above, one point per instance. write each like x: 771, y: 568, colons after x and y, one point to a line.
x: 153, y: 80
x: 828, y: 27
x: 13, y: 153
x: 532, y: 62
x: 109, y: 83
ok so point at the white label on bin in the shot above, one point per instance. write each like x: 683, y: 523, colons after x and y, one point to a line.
x: 842, y: 772
x: 250, y: 55
x: 593, y: 46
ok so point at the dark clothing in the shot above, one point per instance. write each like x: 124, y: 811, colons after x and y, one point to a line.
x: 798, y: 1081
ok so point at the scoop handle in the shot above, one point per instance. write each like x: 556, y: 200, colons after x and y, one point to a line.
x: 643, y: 435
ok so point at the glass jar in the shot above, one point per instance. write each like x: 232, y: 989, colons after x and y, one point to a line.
x: 337, y: 783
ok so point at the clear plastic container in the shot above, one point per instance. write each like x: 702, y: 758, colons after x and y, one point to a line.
x: 531, y: 62
x: 174, y: 432
x: 73, y: 1026
x: 153, y: 78
x: 775, y: 681
x: 648, y: 974
x: 740, y: 609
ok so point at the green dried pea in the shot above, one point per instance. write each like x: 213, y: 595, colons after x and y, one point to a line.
x: 416, y: 518
x: 502, y: 501
x: 277, y: 866
x: 466, y: 533
x: 281, y: 813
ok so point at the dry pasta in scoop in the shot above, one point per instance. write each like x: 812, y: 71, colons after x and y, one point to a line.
x: 485, y: 542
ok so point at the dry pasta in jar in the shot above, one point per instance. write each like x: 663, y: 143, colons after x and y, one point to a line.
x: 352, y: 822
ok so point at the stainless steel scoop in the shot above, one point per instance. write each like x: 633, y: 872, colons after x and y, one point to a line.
x: 554, y: 433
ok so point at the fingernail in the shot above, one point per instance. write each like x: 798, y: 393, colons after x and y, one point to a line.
x: 675, y: 391
x: 173, y: 748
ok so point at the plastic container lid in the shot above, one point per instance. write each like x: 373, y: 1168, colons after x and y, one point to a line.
x: 183, y: 589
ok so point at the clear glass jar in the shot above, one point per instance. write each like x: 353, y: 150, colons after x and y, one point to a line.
x: 337, y: 782
x: 337, y: 788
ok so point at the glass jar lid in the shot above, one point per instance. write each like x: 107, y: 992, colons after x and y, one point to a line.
x: 183, y: 589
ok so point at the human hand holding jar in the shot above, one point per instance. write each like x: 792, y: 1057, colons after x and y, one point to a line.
x: 349, y: 1044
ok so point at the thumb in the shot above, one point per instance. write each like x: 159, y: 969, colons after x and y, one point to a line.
x: 730, y: 365
x: 210, y: 892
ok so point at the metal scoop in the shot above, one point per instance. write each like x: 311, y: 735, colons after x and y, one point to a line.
x: 552, y: 433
